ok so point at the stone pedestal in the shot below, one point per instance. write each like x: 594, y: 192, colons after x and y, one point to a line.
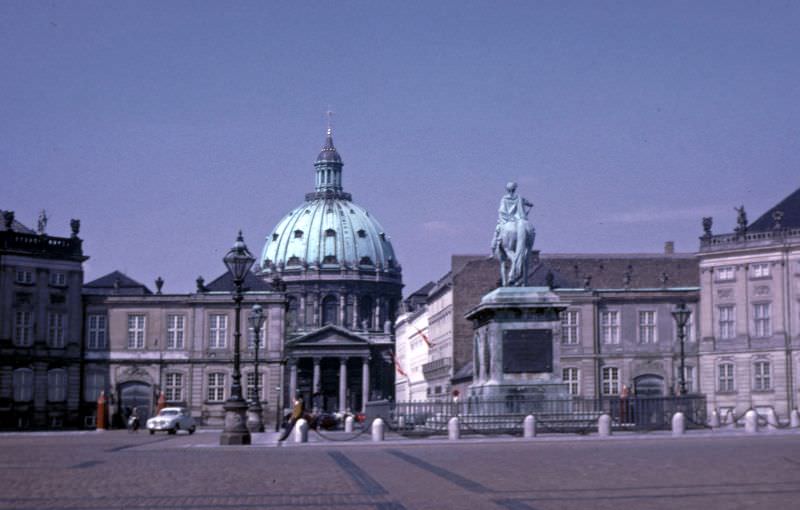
x: 517, y: 345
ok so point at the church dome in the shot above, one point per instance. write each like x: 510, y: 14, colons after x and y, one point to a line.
x: 328, y: 231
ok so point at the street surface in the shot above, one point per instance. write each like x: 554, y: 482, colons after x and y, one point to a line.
x: 110, y: 470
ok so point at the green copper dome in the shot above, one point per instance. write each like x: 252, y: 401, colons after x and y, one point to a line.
x: 328, y: 231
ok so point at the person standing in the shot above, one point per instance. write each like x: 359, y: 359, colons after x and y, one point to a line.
x: 297, y: 413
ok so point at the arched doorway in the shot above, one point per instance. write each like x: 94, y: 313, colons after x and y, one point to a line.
x: 136, y: 395
x: 649, y: 385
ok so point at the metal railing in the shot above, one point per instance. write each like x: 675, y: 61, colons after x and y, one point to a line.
x: 576, y: 415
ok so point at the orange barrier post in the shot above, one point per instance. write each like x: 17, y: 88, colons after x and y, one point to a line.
x: 101, y: 412
x: 162, y: 402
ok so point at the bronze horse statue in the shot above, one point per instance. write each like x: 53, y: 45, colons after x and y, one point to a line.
x: 515, y: 241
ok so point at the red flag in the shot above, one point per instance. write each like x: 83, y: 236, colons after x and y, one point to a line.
x: 398, y: 367
x: 424, y: 336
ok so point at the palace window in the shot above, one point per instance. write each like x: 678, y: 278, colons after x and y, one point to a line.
x: 725, y: 274
x: 96, y: 331
x: 727, y: 322
x: 57, y: 385
x: 23, y: 328
x: 173, y: 387
x: 761, y: 320
x: 251, y: 337
x: 330, y: 310
x: 175, y: 331
x: 759, y: 270
x: 610, y: 381
x: 647, y: 327
x: 570, y: 378
x: 609, y: 324
x: 58, y: 279
x: 216, y: 387
x: 218, y: 331
x: 762, y: 380
x: 23, y: 385
x: 725, y: 381
x: 24, y: 276
x: 136, y: 323
x: 95, y: 383
x: 569, y: 327
x: 55, y: 329
x: 251, y: 386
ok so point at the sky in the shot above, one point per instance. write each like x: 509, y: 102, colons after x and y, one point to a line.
x: 168, y: 126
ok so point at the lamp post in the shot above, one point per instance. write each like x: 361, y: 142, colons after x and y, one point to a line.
x: 255, y: 420
x: 238, y: 261
x: 681, y: 315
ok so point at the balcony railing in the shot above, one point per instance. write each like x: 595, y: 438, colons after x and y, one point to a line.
x: 42, y: 245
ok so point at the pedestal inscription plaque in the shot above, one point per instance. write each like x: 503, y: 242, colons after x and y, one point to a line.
x: 527, y: 351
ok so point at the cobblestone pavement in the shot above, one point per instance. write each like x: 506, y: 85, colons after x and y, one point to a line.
x: 137, y: 471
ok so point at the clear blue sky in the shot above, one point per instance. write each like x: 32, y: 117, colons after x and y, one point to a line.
x: 167, y: 126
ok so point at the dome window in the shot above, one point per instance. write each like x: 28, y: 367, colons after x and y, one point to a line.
x: 298, y: 234
x: 365, y: 261
x: 275, y: 236
x: 361, y: 233
x: 330, y: 233
x: 330, y: 259
x: 293, y: 261
x: 383, y: 236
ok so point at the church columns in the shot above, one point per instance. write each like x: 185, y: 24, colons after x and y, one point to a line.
x: 356, y: 326
x: 316, y: 306
x: 376, y: 323
x: 364, y: 383
x: 292, y: 379
x: 342, y: 303
x: 302, y: 314
x: 342, y: 384
x: 315, y: 387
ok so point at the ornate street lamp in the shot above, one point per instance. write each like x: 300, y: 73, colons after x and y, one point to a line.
x: 681, y: 315
x: 238, y: 260
x: 255, y: 420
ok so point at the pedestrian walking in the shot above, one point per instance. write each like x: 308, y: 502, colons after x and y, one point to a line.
x: 297, y: 413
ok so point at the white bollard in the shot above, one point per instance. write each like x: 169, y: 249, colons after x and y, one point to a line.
x: 772, y: 420
x: 794, y: 419
x: 529, y: 427
x: 348, y: 424
x: 453, y: 432
x: 751, y: 422
x: 401, y: 422
x: 377, y: 429
x: 714, y: 421
x: 604, y: 425
x: 678, y: 424
x: 301, y: 431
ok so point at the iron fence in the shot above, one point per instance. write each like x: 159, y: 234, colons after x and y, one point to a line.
x: 492, y: 416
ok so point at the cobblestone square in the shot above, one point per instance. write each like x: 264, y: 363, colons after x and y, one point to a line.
x: 119, y: 470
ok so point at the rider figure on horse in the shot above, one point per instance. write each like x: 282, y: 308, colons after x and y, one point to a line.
x: 513, y: 236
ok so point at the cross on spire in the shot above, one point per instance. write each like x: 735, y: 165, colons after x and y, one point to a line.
x: 329, y: 113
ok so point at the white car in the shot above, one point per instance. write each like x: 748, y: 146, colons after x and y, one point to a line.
x: 172, y: 419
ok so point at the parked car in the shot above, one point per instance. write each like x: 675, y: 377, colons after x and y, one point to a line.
x: 172, y: 419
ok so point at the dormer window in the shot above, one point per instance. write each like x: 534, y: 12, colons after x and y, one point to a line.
x: 330, y: 233
x: 383, y: 236
x: 293, y: 261
x: 361, y: 233
x: 275, y: 237
x: 365, y: 261
x: 298, y: 234
x: 330, y: 259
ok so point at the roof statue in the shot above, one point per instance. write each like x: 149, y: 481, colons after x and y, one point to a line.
x: 513, y: 238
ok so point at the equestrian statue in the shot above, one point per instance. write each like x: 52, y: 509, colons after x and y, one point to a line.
x: 513, y: 238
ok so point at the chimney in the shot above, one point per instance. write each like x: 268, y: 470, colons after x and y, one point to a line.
x: 669, y: 248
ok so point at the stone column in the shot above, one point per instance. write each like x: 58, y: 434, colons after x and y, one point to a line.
x: 301, y: 313
x: 315, y: 387
x: 364, y: 383
x: 342, y: 384
x: 342, y: 303
x: 316, y: 304
x: 292, y: 380
x: 376, y: 322
x: 355, y: 324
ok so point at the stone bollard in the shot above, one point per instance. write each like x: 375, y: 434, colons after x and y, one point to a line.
x: 348, y: 424
x: 401, y: 422
x: 713, y: 422
x: 301, y: 431
x: 604, y: 425
x: 377, y: 429
x: 453, y: 432
x: 772, y: 420
x: 678, y: 424
x: 751, y: 422
x: 794, y: 419
x: 529, y: 427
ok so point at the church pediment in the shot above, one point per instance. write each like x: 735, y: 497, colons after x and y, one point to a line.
x: 329, y: 336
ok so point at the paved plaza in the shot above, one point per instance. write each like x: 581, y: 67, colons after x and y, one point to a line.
x: 99, y: 470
